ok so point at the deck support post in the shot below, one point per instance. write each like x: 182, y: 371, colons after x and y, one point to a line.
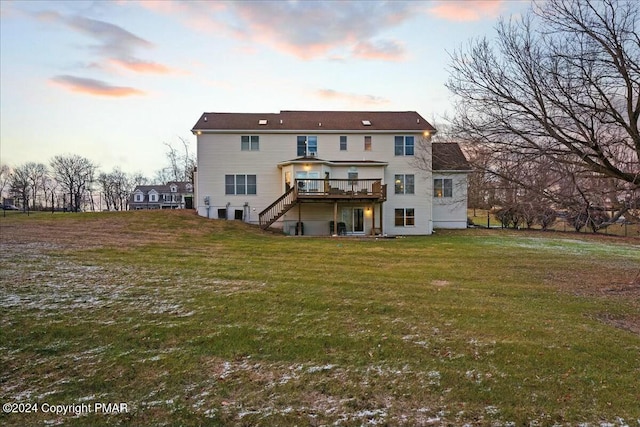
x: 373, y: 219
x: 299, y: 225
x: 335, y: 217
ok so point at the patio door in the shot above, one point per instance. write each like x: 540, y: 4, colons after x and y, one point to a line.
x: 354, y: 220
x: 305, y: 181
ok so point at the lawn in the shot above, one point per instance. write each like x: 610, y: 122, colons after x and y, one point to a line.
x: 189, y: 321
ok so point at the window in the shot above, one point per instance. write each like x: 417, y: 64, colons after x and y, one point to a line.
x: 367, y: 143
x: 405, y: 184
x: 343, y: 143
x: 249, y: 143
x: 307, y: 145
x: 240, y: 184
x: 153, y: 197
x: 138, y: 197
x: 405, y: 217
x: 174, y: 188
x: 442, y: 187
x: 404, y: 145
x: 353, y: 178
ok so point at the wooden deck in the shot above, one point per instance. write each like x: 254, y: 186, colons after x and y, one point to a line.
x: 324, y: 190
x: 340, y: 189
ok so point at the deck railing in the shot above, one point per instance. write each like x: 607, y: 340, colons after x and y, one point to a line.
x: 341, y: 188
x: 278, y: 208
x: 329, y: 189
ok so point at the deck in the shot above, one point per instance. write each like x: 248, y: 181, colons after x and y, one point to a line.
x: 340, y: 189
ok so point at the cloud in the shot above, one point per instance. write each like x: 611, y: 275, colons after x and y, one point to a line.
x: 466, y: 11
x: 385, y: 50
x: 94, y: 87
x: 304, y: 29
x: 317, y: 29
x: 115, y: 45
x: 139, y: 66
x: 351, y: 98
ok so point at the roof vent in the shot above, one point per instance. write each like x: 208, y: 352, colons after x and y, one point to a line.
x: 262, y: 122
x: 418, y: 121
x: 366, y: 122
x: 319, y: 124
x: 205, y: 118
x: 280, y: 121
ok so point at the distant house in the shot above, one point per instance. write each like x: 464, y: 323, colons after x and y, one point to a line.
x: 173, y: 195
x: 330, y: 172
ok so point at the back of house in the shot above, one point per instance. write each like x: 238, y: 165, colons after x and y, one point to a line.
x: 329, y: 172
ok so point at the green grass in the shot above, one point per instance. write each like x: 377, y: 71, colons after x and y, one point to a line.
x: 198, y: 322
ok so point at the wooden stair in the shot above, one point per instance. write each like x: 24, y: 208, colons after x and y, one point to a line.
x: 278, y: 208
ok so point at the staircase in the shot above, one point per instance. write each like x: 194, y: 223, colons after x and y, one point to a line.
x: 278, y: 208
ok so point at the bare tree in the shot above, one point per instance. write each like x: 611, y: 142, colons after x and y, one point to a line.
x: 49, y: 186
x: 558, y: 88
x: 181, y: 166
x: 116, y: 187
x: 74, y: 174
x: 19, y: 186
x: 26, y: 182
x: 5, y: 176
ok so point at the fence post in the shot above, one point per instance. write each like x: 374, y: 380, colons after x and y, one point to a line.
x: 488, y: 221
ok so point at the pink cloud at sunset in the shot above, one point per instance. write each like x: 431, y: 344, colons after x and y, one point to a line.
x: 139, y: 66
x: 310, y: 30
x: 94, y: 87
x: 351, y: 98
x: 384, y: 50
x: 115, y: 45
x: 466, y: 11
x: 306, y: 30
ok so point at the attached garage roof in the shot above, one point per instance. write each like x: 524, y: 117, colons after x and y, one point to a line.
x: 449, y: 157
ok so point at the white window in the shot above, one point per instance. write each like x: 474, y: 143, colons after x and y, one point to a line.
x: 307, y: 145
x: 240, y: 184
x: 404, y: 184
x: 138, y: 197
x: 404, y: 145
x: 442, y: 187
x: 405, y: 217
x: 343, y: 143
x: 367, y: 143
x: 153, y: 197
x: 250, y: 143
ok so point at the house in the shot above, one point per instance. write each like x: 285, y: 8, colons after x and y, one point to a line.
x: 329, y: 172
x: 173, y: 195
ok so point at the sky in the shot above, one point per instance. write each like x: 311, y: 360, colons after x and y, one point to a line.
x: 114, y: 81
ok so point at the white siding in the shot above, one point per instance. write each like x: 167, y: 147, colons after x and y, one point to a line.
x: 220, y: 154
x: 451, y: 212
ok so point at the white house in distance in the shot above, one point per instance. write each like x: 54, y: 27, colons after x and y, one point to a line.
x: 329, y: 172
x: 173, y: 195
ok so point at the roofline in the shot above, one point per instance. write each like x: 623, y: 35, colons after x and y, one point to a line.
x: 195, y: 131
x: 453, y: 170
